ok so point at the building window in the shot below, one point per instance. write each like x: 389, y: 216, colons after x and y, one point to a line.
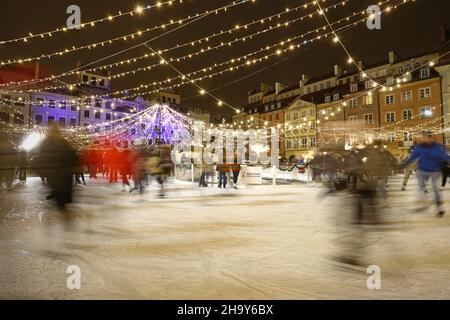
x: 425, y: 93
x: 407, y: 114
x: 390, y: 99
x: 40, y: 102
x: 73, y: 108
x: 73, y: 122
x: 108, y: 116
x: 288, y: 117
x: 391, y: 137
x: 368, y: 100
x: 85, y: 79
x: 426, y: 113
x: 62, y: 123
x: 97, y: 115
x: 406, y: 96
x: 277, y: 117
x: 336, y: 97
x: 7, y: 99
x: 50, y: 119
x: 304, y: 143
x: 390, y: 81
x: 295, y: 144
x: 52, y: 104
x: 94, y: 81
x: 327, y: 98
x: 390, y: 117
x: 353, y: 103
x: 368, y: 118
x: 19, y: 119
x: 98, y: 103
x: 354, y: 87
x: 87, y: 114
x: 5, y: 117
x: 39, y: 119
x: 288, y: 144
x: 424, y: 73
x: 407, y: 136
x: 352, y: 119
x: 368, y: 84
x: 19, y: 102
x: 63, y: 105
x: 102, y: 83
x: 313, y: 142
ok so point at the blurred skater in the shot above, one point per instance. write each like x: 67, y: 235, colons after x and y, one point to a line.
x: 22, y: 165
x: 432, y: 159
x: 8, y: 159
x: 58, y: 159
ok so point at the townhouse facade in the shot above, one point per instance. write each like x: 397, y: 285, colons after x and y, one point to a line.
x: 411, y: 108
x: 390, y: 102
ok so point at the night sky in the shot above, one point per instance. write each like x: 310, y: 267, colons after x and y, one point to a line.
x: 411, y: 29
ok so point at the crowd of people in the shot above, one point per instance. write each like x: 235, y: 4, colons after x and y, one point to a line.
x: 363, y: 172
x: 364, y: 175
x: 61, y: 166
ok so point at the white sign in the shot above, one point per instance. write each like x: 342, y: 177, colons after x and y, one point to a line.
x: 254, y: 175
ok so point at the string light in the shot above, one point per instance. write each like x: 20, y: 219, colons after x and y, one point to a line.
x: 138, y: 9
x: 278, y: 52
x: 178, y: 46
x: 120, y: 38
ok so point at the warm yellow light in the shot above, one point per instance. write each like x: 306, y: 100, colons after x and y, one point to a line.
x: 139, y: 9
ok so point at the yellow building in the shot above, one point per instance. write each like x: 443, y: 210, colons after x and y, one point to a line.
x: 300, y: 123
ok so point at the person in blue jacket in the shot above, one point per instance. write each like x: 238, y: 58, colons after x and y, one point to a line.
x: 431, y: 158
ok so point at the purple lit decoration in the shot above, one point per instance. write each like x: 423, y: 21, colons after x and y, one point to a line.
x: 157, y: 124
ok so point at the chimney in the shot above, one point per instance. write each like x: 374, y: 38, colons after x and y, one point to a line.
x: 304, y: 79
x: 392, y: 57
x: 265, y: 87
x: 337, y: 71
x: 279, y: 87
x: 361, y: 65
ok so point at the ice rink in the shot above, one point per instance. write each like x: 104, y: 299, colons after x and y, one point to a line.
x: 259, y: 242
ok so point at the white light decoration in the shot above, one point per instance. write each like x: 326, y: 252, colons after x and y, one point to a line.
x: 31, y: 141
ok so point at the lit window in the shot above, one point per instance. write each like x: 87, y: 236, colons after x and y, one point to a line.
x: 426, y: 113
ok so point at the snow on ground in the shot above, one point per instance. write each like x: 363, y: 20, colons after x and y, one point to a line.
x: 258, y: 242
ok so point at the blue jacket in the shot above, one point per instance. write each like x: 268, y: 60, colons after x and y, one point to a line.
x: 432, y: 157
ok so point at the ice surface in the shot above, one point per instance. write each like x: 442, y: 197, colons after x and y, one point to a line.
x: 259, y: 242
